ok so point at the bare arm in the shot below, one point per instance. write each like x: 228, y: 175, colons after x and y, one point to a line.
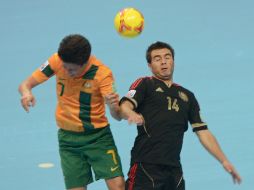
x: 25, y: 90
x: 112, y: 100
x: 211, y: 145
x: 129, y: 114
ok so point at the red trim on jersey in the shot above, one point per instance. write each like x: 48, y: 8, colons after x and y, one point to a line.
x: 176, y: 84
x: 136, y: 83
x: 132, y: 176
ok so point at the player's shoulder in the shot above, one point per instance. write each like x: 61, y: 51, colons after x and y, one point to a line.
x: 52, y: 65
x: 99, y: 65
x: 54, y: 59
x: 99, y: 69
x: 183, y: 89
x: 97, y: 62
x: 141, y: 81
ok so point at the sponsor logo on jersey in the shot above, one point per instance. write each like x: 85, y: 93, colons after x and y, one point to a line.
x: 159, y: 89
x: 44, y: 65
x: 183, y: 96
x: 131, y: 93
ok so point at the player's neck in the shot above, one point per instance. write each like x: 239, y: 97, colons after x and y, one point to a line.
x: 168, y: 82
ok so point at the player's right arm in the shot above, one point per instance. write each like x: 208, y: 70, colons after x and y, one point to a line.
x: 25, y: 90
x: 127, y: 112
x: 130, y: 102
x: 42, y: 74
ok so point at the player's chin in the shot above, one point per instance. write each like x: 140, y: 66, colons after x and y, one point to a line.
x: 165, y: 73
x: 165, y: 76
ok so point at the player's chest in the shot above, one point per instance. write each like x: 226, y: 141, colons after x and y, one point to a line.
x: 72, y: 86
x: 169, y: 100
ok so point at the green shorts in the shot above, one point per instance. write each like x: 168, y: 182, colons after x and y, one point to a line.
x: 81, y: 152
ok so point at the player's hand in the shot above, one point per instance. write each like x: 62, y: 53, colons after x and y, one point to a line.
x: 136, y: 118
x: 112, y: 100
x: 230, y: 169
x: 27, y: 100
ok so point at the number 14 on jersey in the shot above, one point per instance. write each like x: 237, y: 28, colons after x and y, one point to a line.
x: 172, y: 104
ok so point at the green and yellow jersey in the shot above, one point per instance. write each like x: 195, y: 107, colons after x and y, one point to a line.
x: 80, y: 105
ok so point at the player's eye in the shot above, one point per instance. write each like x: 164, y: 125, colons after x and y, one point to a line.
x: 156, y: 59
x: 168, y: 57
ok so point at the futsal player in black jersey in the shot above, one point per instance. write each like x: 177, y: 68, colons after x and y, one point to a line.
x: 162, y: 111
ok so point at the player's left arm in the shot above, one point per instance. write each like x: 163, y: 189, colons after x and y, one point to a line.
x: 112, y: 100
x: 210, y: 143
x: 108, y: 91
x: 25, y: 90
x: 208, y: 140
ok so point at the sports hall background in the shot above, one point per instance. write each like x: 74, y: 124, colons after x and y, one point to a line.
x: 214, y: 47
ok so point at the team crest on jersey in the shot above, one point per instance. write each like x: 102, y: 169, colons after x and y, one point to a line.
x: 87, y: 84
x: 44, y: 65
x: 183, y: 96
x: 131, y: 93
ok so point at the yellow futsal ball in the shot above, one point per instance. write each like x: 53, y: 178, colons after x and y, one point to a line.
x: 129, y: 22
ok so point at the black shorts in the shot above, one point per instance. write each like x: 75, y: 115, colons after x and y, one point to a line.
x: 144, y: 176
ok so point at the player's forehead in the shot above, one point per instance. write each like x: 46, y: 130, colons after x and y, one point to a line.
x: 160, y: 52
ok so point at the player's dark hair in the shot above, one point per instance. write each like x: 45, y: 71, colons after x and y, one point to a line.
x: 158, y: 45
x: 74, y: 49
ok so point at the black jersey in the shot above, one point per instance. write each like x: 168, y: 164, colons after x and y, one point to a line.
x: 166, y: 111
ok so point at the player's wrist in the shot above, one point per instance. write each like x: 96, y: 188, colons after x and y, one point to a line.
x: 25, y: 95
x: 225, y: 162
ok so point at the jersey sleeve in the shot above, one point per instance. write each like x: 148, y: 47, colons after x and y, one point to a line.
x: 47, y: 69
x: 107, y: 84
x: 194, y: 116
x: 136, y: 92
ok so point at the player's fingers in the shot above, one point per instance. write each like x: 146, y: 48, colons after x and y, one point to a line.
x: 115, y: 97
x: 33, y: 101
x: 236, y: 177
x: 112, y: 95
x: 130, y: 121
x: 26, y: 107
x: 26, y: 103
x: 114, y: 101
x: 141, y: 119
x: 111, y: 99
